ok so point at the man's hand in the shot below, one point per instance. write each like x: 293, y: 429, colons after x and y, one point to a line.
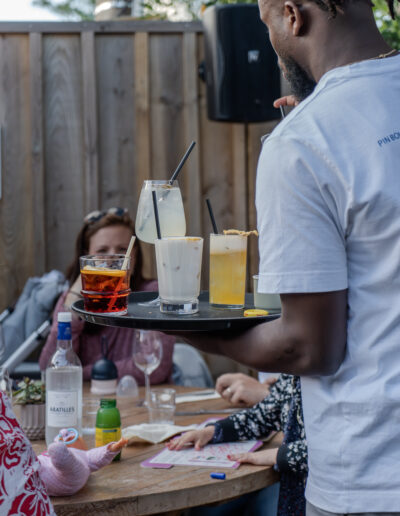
x: 288, y: 100
x: 240, y: 389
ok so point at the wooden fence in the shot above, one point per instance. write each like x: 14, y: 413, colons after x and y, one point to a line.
x: 90, y: 110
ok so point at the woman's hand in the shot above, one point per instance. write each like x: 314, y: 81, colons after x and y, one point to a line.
x: 259, y: 458
x: 240, y: 389
x: 198, y: 438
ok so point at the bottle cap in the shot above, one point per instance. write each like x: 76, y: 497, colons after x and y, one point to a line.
x: 64, y: 317
x: 104, y: 369
x: 108, y: 403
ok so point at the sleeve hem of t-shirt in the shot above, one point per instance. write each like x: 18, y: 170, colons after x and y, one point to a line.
x: 281, y: 459
x: 296, y: 282
x: 224, y: 431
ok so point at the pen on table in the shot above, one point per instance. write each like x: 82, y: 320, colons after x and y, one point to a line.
x: 217, y: 475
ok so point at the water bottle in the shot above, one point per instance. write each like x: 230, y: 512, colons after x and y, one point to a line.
x: 63, y: 384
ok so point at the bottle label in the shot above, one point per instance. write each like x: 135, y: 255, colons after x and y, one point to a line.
x: 64, y: 331
x: 62, y: 408
x: 107, y: 435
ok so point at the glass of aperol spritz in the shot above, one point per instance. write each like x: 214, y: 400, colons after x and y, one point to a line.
x: 105, y: 283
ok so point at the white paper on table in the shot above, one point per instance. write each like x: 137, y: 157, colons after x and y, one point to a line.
x: 212, y: 455
x: 184, y: 398
x: 153, y: 433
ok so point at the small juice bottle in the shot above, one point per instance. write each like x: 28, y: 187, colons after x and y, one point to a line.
x: 108, y: 424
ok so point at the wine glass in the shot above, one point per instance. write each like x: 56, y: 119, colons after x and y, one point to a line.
x: 170, y: 211
x: 147, y: 353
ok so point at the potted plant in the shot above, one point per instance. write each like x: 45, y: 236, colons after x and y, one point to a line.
x: 31, y: 396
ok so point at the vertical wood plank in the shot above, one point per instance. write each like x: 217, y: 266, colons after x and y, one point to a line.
x: 142, y: 104
x: 143, y: 135
x: 38, y: 180
x: 116, y: 113
x: 239, y: 186
x: 191, y: 180
x: 169, y: 140
x: 89, y: 96
x: 16, y: 220
x: 239, y: 172
x: 64, y: 167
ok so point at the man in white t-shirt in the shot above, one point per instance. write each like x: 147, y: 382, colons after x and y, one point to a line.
x: 328, y: 205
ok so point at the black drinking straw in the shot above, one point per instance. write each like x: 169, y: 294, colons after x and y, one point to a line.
x: 153, y: 193
x: 210, y: 211
x: 182, y: 162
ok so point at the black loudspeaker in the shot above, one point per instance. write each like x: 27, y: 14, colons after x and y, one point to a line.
x: 241, y: 70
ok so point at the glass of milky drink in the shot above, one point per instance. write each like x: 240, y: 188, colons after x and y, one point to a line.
x: 105, y: 284
x: 179, y: 270
x: 228, y: 254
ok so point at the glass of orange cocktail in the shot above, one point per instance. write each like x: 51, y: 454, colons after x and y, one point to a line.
x: 227, y: 270
x: 105, y: 283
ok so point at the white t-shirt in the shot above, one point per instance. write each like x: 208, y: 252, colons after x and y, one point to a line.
x: 262, y: 376
x: 328, y: 206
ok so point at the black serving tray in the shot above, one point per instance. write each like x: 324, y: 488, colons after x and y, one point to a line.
x: 150, y: 318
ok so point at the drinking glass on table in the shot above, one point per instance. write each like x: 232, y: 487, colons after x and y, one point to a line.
x: 170, y: 210
x: 147, y: 354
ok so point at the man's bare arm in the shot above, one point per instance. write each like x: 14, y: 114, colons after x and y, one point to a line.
x: 309, y: 337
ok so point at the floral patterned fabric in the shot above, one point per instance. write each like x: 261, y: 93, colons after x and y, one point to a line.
x: 22, y: 492
x: 281, y: 410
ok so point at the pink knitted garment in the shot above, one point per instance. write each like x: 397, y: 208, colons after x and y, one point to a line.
x: 64, y: 471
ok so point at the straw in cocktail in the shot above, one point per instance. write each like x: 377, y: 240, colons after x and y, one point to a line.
x: 125, y: 266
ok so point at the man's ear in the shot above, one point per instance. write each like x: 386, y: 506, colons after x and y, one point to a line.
x: 293, y: 17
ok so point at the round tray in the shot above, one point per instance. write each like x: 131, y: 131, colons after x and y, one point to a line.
x: 150, y: 318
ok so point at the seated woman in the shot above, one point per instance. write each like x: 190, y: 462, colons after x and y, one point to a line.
x: 281, y: 410
x: 106, y: 232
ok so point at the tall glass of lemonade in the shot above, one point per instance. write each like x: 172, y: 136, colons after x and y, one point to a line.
x: 170, y: 211
x: 227, y: 270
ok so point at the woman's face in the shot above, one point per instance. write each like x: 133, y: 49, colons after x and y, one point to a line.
x: 111, y: 240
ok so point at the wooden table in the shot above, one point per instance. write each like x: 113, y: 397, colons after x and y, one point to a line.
x: 126, y: 488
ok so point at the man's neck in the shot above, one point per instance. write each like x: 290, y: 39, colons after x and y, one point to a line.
x: 346, y: 39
